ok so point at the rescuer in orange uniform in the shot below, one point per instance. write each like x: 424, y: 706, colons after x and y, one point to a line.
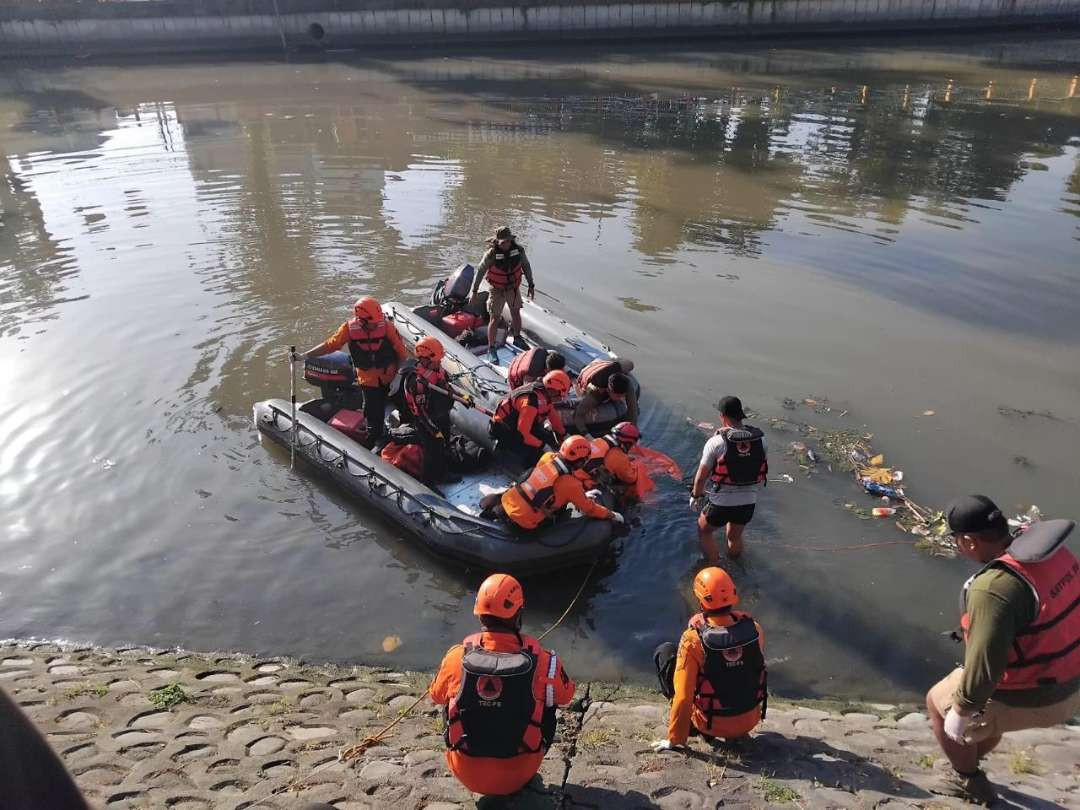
x: 717, y: 678
x: 518, y: 422
x: 551, y: 486
x: 609, y: 460
x: 376, y: 350
x: 499, y: 726
x: 1020, y: 622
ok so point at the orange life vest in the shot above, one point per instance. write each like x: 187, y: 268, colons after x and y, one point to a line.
x: 370, y: 345
x: 743, y: 462
x: 1048, y: 650
x: 505, y: 270
x: 507, y: 409
x: 531, y: 363
x: 503, y: 707
x: 596, y: 373
x: 538, y: 490
x: 733, y: 678
x: 594, y: 468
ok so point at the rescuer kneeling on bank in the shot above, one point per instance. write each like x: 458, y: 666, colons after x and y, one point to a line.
x: 501, y: 690
x: 1020, y: 621
x: 716, y: 679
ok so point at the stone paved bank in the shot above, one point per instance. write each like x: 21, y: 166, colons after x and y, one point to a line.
x: 265, y: 734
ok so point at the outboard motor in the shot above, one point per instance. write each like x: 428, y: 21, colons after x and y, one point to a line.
x: 335, y: 376
x: 458, y: 287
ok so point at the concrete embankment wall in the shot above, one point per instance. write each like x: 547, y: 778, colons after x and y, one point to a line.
x: 109, y: 27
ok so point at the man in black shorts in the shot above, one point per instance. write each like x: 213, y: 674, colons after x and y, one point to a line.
x: 733, y: 467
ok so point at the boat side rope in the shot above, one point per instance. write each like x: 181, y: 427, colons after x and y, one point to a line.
x: 378, y: 484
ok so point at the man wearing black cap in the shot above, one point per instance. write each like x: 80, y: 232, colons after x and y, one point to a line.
x: 733, y: 467
x: 1021, y: 624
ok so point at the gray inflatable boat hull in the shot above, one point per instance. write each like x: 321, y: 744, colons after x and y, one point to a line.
x: 447, y: 524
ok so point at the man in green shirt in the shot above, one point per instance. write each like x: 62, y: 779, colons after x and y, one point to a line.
x: 998, y: 690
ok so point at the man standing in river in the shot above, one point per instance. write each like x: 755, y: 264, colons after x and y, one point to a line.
x: 733, y: 467
x: 1021, y: 625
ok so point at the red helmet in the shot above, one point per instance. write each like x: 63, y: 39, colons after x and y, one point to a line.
x: 575, y: 448
x: 500, y: 595
x: 368, y: 309
x: 429, y: 348
x: 714, y: 588
x: 558, y: 382
x: 626, y: 433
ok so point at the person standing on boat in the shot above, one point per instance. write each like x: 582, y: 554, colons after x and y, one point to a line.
x: 500, y: 689
x: 518, y: 422
x: 532, y: 365
x: 503, y: 264
x: 552, y: 485
x: 377, y: 351
x: 734, y: 465
x: 716, y: 677
x: 1021, y: 626
x: 604, y: 380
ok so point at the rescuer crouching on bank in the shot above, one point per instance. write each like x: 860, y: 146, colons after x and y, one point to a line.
x: 498, y: 727
x: 1020, y: 622
x: 716, y: 678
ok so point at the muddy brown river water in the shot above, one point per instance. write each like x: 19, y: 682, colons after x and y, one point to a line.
x: 889, y: 227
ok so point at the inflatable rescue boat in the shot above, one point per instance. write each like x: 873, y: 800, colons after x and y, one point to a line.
x: 461, y: 328
x: 446, y: 520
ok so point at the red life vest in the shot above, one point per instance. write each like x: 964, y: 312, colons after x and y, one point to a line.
x: 507, y: 409
x: 418, y: 394
x: 733, y: 679
x: 538, y: 490
x: 596, y: 373
x: 530, y: 363
x: 370, y: 346
x: 1048, y: 650
x: 503, y: 707
x: 743, y: 462
x: 505, y: 269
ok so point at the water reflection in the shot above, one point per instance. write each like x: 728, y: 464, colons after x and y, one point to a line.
x: 748, y: 219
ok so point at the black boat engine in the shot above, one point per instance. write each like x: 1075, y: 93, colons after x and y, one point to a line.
x: 335, y: 376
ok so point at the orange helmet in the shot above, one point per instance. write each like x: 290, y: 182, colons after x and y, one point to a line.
x: 558, y: 382
x: 575, y: 448
x: 500, y: 595
x: 429, y: 348
x: 368, y: 309
x: 714, y: 588
x: 626, y: 433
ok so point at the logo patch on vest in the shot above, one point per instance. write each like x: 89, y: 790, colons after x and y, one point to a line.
x: 489, y: 687
x: 742, y: 448
x: 733, y: 655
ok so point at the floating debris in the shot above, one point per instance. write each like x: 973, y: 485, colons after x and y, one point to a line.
x: 1017, y: 413
x: 928, y: 413
x: 391, y: 643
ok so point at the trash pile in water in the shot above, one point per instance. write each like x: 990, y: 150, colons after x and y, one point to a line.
x: 851, y: 451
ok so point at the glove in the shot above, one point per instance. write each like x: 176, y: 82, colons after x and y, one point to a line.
x: 618, y: 519
x: 696, y: 502
x: 532, y: 292
x: 664, y: 745
x: 295, y: 357
x: 956, y: 726
x: 593, y: 494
